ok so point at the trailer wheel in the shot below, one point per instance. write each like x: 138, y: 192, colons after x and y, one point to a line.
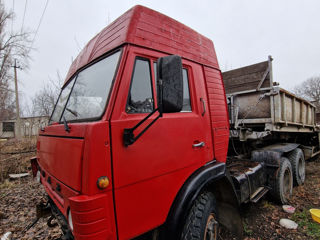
x: 201, y: 223
x: 282, y: 189
x: 296, y: 158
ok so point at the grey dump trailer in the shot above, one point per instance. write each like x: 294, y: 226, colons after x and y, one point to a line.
x: 272, y: 133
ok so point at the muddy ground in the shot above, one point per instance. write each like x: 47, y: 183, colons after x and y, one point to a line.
x: 261, y: 221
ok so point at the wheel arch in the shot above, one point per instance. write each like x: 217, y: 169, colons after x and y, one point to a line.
x: 212, y: 177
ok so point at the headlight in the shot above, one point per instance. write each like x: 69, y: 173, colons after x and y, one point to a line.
x: 70, y: 220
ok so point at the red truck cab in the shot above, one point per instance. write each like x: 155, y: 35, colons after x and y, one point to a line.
x: 105, y: 188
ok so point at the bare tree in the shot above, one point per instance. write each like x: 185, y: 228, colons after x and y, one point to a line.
x: 13, y: 45
x: 45, y: 99
x: 310, y: 90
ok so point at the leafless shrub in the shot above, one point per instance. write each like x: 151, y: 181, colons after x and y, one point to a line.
x: 13, y: 45
x: 310, y: 90
x: 45, y: 99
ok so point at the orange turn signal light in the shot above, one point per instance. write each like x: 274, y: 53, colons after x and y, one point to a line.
x: 103, y: 182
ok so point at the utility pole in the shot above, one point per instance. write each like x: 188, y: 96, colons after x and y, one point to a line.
x: 18, y: 121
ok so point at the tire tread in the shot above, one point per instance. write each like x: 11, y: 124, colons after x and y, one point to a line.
x: 293, y: 157
x: 194, y: 221
x: 276, y: 192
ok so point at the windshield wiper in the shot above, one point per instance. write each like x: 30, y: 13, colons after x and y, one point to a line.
x: 66, y: 127
x: 73, y: 112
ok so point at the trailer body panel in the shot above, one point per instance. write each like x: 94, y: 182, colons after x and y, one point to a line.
x: 256, y: 101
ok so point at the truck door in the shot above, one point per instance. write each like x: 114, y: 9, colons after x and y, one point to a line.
x: 148, y: 174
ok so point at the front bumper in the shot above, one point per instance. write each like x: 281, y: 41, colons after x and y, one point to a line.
x: 92, y: 216
x: 88, y: 216
x: 91, y: 220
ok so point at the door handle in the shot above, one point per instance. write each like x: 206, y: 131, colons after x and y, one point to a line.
x: 198, y: 145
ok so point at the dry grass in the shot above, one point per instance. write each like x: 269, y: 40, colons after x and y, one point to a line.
x: 15, y: 155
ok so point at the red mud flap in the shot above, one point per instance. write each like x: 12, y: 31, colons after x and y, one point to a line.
x: 34, y: 166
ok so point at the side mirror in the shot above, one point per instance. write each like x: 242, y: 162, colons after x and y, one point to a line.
x: 170, y: 84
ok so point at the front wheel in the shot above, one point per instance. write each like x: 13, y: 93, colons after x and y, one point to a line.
x: 201, y: 223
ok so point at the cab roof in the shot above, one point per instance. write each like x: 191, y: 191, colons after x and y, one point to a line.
x: 147, y: 28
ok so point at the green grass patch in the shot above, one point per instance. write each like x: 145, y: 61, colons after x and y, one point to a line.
x: 247, y: 231
x: 306, y: 223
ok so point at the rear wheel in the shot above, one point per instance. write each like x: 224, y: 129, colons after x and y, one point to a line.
x: 296, y: 158
x: 282, y: 189
x: 201, y: 223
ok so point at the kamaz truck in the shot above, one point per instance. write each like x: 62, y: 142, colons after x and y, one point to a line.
x: 150, y: 140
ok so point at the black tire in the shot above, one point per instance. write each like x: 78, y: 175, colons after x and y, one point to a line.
x: 282, y: 188
x: 201, y: 223
x: 296, y: 158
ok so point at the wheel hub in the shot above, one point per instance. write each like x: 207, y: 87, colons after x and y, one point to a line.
x: 211, y: 231
x: 287, y: 184
x: 301, y: 169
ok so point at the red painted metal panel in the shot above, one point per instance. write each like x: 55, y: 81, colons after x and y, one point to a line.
x: 61, y: 198
x: 149, y: 173
x: 93, y: 217
x: 96, y: 157
x: 148, y: 28
x: 148, y: 202
x: 218, y: 112
x: 62, y: 157
x: 76, y: 130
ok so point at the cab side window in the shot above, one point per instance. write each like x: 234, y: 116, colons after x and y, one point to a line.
x: 186, y: 93
x: 140, y: 99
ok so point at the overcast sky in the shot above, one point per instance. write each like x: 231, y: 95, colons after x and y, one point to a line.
x: 244, y: 33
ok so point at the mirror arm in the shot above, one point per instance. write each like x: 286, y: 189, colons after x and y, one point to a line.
x: 128, y: 135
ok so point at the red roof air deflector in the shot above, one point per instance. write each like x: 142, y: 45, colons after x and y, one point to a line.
x: 147, y: 28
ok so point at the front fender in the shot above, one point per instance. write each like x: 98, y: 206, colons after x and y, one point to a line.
x: 201, y: 179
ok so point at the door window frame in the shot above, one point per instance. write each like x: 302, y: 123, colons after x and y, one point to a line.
x: 134, y: 52
x: 184, y: 66
x: 147, y: 59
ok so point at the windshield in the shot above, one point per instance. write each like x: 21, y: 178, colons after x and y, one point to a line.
x: 55, y: 117
x: 86, y: 94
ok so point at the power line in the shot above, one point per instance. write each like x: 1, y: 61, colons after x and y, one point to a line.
x: 12, y: 17
x: 34, y: 37
x: 24, y: 14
